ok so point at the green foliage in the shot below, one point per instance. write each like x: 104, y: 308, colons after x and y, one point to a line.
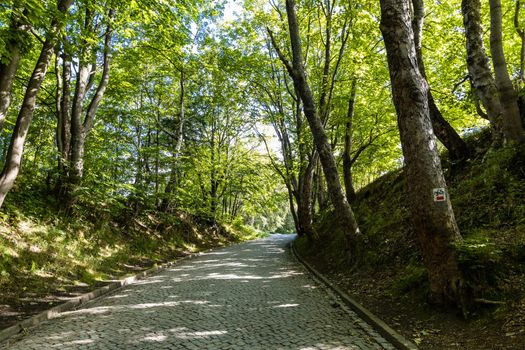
x: 480, y: 259
x: 413, y: 277
x: 41, y: 250
x: 494, y: 187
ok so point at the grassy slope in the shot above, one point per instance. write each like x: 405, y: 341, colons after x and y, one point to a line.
x: 488, y: 195
x: 45, y: 257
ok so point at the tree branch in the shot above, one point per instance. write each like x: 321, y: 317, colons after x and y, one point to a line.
x: 283, y: 59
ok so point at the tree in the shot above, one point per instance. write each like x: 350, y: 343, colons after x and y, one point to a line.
x: 10, y: 59
x: 498, y: 103
x: 444, y: 131
x: 75, y: 121
x: 520, y: 30
x: 511, y: 121
x: 16, y: 146
x: 347, y: 159
x: 433, y: 221
x: 297, y: 73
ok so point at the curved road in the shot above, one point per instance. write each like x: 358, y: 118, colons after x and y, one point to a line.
x: 253, y: 295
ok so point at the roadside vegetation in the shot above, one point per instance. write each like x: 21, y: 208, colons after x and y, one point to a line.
x: 387, y: 134
x: 487, y: 193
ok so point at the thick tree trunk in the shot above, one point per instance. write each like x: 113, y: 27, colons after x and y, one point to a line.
x: 304, y: 200
x: 297, y: 72
x: 9, y: 64
x: 7, y: 76
x: 347, y: 160
x: 478, y: 65
x: 521, y: 32
x: 432, y: 216
x: 16, y: 147
x: 76, y: 150
x: 320, y: 189
x: 63, y: 132
x: 511, y: 121
x: 445, y: 133
x: 80, y: 129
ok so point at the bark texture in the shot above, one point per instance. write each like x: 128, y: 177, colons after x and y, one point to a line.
x: 297, y: 72
x: 16, y: 146
x: 434, y: 223
x: 173, y: 181
x: 478, y: 65
x: 80, y: 129
x: 511, y: 121
x: 347, y: 159
x: 9, y: 65
x: 75, y: 119
x: 521, y: 32
x: 304, y: 200
x: 64, y: 115
x: 445, y: 133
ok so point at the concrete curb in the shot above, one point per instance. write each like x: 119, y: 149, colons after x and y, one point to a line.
x: 22, y: 326
x: 380, y: 326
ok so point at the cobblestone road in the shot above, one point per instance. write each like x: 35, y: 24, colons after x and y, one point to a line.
x: 248, y: 296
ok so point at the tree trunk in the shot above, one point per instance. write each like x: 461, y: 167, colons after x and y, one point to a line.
x: 63, y: 132
x: 478, y: 65
x: 335, y: 191
x: 511, y: 121
x: 16, y: 146
x: 80, y: 129
x: 521, y: 32
x: 304, y: 200
x: 173, y: 180
x: 293, y: 211
x: 9, y: 65
x: 322, y: 199
x: 347, y: 160
x: 432, y: 217
x: 445, y: 133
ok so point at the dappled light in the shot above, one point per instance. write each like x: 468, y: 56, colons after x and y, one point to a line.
x: 253, y: 297
x: 387, y: 135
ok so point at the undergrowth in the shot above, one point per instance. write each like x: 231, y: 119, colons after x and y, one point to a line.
x: 487, y: 194
x: 43, y: 251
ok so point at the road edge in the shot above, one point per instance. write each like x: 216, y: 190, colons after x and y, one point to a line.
x: 7, y: 335
x: 379, y: 325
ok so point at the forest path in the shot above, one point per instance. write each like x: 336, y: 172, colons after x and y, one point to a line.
x: 253, y: 295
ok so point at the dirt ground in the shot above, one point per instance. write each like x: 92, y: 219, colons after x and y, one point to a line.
x: 432, y: 329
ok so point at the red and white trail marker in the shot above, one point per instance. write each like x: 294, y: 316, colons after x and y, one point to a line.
x: 439, y: 194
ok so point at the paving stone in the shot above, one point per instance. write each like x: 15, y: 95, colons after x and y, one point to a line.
x: 247, y: 296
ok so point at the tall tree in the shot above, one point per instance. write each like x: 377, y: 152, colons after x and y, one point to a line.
x: 74, y: 119
x: 347, y: 159
x: 520, y: 30
x: 431, y: 211
x: 16, y: 147
x: 297, y: 72
x: 478, y: 64
x: 511, y: 121
x: 18, y: 28
x: 499, y: 102
x: 444, y: 131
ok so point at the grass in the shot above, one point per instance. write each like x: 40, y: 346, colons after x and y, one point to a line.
x: 487, y: 194
x: 44, y: 253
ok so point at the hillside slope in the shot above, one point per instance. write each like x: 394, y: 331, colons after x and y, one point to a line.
x: 47, y: 256
x: 488, y: 196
